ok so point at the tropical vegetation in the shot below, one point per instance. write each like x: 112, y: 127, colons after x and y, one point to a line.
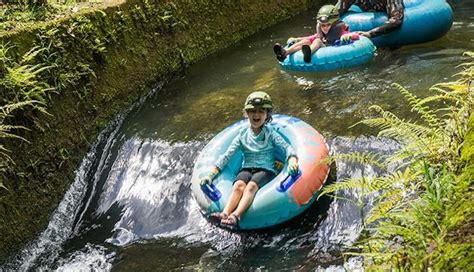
x: 422, y: 218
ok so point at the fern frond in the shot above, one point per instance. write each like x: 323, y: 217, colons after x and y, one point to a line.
x: 454, y: 86
x: 427, y: 114
x: 369, y: 185
x: 7, y: 109
x: 3, y: 186
x: 389, y: 121
x: 386, y: 203
x: 457, y: 96
x: 412, y: 130
x: 4, y: 134
x: 347, y: 184
x: 30, y: 55
x: 469, y: 54
x: 362, y: 158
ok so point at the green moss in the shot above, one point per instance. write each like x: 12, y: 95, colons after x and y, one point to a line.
x: 102, y: 61
x: 467, y: 154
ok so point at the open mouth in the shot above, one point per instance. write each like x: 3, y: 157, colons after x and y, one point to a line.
x: 256, y: 120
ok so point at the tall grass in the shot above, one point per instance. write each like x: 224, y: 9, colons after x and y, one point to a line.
x: 423, y: 210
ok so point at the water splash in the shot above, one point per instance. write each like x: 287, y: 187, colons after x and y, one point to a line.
x: 91, y: 258
x: 46, y: 248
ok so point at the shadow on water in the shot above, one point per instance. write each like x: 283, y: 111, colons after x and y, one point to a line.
x: 130, y: 206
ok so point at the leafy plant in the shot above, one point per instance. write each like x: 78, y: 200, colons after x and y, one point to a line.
x: 21, y: 81
x: 420, y: 206
x: 7, y: 131
x: 22, y: 91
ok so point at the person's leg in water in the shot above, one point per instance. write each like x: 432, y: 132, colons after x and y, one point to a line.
x: 247, y: 199
x: 237, y: 192
x: 308, y: 50
x: 238, y: 187
x: 282, y: 53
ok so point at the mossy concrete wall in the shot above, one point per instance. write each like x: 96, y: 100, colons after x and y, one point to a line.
x: 100, y: 63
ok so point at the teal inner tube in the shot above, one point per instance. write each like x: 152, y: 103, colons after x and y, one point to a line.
x: 332, y: 57
x: 424, y: 21
x: 284, y: 197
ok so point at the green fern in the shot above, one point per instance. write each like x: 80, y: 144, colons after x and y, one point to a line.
x: 418, y: 210
x: 387, y: 202
x: 358, y: 157
x: 417, y: 106
x: 6, y: 132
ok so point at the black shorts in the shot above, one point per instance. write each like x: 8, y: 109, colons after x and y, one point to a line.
x: 257, y: 175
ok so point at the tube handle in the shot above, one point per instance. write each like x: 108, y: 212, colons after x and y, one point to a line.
x: 211, y: 191
x: 288, y: 181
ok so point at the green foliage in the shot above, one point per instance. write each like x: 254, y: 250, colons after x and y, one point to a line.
x: 7, y: 131
x: 21, y: 82
x: 15, y: 14
x: 362, y: 158
x: 22, y: 91
x: 423, y: 211
x: 18, y: 14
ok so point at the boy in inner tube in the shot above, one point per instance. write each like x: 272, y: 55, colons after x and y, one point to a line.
x: 329, y: 30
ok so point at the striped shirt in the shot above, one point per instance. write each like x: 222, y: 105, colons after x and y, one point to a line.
x: 393, y: 8
x: 258, y: 150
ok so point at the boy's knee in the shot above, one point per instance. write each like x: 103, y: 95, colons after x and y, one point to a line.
x: 305, y: 42
x: 251, y: 187
x: 239, y: 186
x: 317, y: 42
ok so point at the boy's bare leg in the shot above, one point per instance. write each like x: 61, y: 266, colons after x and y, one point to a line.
x: 316, y: 45
x: 297, y: 46
x: 247, y: 198
x: 237, y: 191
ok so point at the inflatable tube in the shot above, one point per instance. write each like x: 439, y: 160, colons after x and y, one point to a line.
x: 332, y: 57
x: 424, y: 21
x: 282, y: 198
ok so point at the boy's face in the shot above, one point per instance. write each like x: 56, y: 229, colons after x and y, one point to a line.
x: 325, y: 27
x: 257, y: 116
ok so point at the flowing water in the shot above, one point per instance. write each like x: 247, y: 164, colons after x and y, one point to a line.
x: 130, y: 207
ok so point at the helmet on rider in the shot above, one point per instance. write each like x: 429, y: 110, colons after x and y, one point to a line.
x: 258, y: 99
x: 328, y: 14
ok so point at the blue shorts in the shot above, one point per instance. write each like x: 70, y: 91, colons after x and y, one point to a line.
x: 257, y: 175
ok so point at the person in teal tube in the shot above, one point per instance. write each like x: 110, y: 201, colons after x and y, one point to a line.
x: 329, y: 30
x: 394, y: 9
x: 257, y: 143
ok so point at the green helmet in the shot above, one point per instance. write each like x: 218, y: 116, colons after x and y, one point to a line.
x: 328, y: 14
x: 258, y: 99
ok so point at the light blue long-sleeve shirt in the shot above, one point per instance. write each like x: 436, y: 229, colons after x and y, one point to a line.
x: 259, y: 150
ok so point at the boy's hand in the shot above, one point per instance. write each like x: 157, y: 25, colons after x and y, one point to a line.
x: 346, y: 38
x: 292, y: 166
x: 363, y: 33
x: 209, y: 178
x: 206, y: 180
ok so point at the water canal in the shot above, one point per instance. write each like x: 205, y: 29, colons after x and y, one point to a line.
x: 130, y: 207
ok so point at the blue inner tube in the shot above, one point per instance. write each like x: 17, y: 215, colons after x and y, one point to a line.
x: 424, y: 21
x: 280, y: 199
x: 332, y: 57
